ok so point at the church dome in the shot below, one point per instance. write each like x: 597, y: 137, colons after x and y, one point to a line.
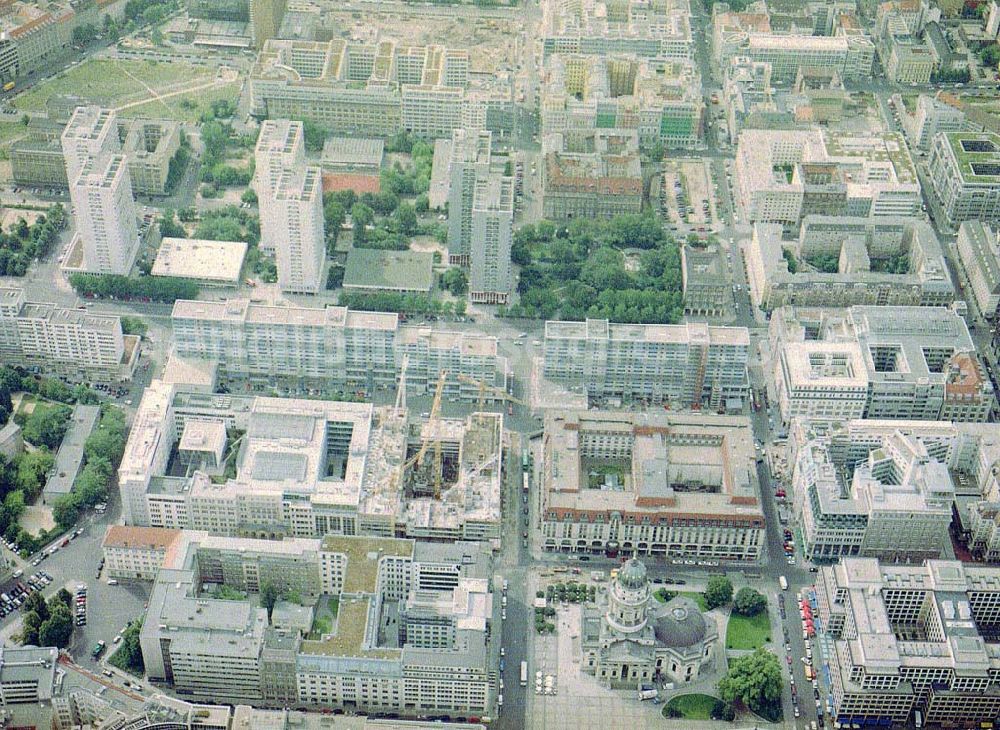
x: 679, y: 623
x: 633, y: 575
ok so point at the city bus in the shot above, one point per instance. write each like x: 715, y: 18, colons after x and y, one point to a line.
x: 524, y: 674
x: 783, y: 582
x: 524, y: 460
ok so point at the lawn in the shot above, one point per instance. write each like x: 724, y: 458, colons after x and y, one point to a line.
x: 184, y: 107
x: 113, y: 82
x: 662, y: 595
x: 692, y: 706
x: 743, y: 632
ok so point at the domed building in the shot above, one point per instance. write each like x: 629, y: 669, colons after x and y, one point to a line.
x: 634, y: 639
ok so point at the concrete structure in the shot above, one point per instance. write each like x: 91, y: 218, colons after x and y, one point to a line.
x: 706, y: 282
x: 72, y: 343
x: 907, y: 639
x: 931, y: 116
x: 308, y: 468
x: 330, y: 349
x: 782, y: 176
x: 865, y: 253
x: 490, y: 276
x: 149, y: 145
x: 469, y: 161
x: 964, y: 170
x: 69, y: 457
x: 27, y: 674
x: 225, y: 649
x: 369, y: 269
x: 378, y: 89
x: 101, y: 190
x: 912, y: 362
x: 280, y: 146
x: 591, y: 174
x: 11, y: 440
x: 847, y: 51
x: 136, y: 553
x: 265, y: 19
x: 211, y: 263
x: 979, y: 251
x: 746, y: 90
x: 38, y: 159
x: 652, y: 483
x: 686, y: 366
x: 296, y: 223
x: 347, y: 155
x: 909, y: 61
x: 881, y: 489
x: 660, y: 102
x: 634, y: 640
x: 599, y: 28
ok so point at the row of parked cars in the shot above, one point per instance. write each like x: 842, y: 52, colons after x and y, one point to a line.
x: 80, y: 601
x: 15, y: 596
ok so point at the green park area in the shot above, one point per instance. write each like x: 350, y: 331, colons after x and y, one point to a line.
x: 690, y: 707
x: 748, y: 632
x: 115, y: 83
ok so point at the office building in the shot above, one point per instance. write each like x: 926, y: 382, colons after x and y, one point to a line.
x: 908, y: 640
x: 964, y: 171
x: 660, y: 101
x: 600, y: 28
x: 470, y: 161
x: 296, y: 218
x: 37, y: 159
x: 979, y: 252
x: 308, y: 468
x: 265, y: 19
x: 690, y: 365
x: 70, y: 343
x: 70, y: 456
x: 377, y: 89
x: 439, y: 658
x: 591, y: 174
x: 878, y: 489
x: 490, y: 275
x: 909, y: 61
x: 919, y: 363
x: 331, y: 349
x: 280, y: 148
x: 149, y: 145
x: 840, y: 261
x: 652, y: 483
x: 848, y: 51
x: 210, y: 263
x: 784, y: 175
x: 136, y: 553
x: 746, y: 91
x: 27, y: 674
x: 706, y: 282
x: 91, y: 132
x: 930, y: 116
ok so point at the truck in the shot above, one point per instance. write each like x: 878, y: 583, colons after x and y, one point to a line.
x: 647, y: 692
x: 524, y: 674
x: 783, y: 582
x: 98, y: 648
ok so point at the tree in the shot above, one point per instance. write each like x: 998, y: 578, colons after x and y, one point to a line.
x: 749, y: 602
x: 66, y: 510
x: 57, y: 630
x: 47, y: 425
x: 422, y: 203
x: 754, y: 681
x: 719, y: 591
x: 129, y: 654
x: 84, y: 395
x: 405, y: 219
x: 455, y: 281
x: 30, y: 623
x: 35, y: 603
x: 269, y: 594
x: 361, y: 217
x: 315, y: 135
x: 62, y: 596
x: 32, y: 467
x: 169, y: 228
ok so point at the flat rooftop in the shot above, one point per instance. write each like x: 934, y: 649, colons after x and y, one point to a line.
x: 402, y: 271
x: 363, y: 555
x: 204, y: 260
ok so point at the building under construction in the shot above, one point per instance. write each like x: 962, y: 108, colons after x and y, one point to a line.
x: 275, y: 467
